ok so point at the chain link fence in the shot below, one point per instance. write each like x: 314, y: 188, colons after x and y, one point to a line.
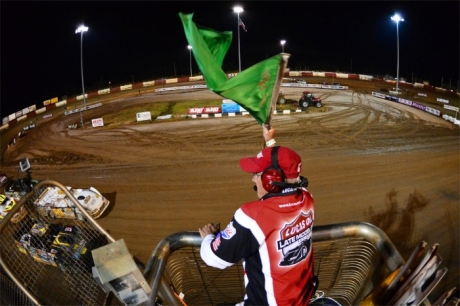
x: 46, y: 251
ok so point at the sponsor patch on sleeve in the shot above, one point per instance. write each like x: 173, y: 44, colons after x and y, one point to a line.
x: 229, y: 231
x: 216, y: 242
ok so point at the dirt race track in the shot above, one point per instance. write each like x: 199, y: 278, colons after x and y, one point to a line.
x: 366, y: 159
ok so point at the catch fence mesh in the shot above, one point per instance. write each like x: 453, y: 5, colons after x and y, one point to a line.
x: 49, y: 252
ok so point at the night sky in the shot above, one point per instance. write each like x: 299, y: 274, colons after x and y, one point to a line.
x: 142, y: 41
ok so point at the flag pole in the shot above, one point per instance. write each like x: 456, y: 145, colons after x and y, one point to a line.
x: 276, y: 88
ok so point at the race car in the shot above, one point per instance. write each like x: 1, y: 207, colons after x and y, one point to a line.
x: 36, y: 246
x: 6, y: 204
x: 72, y: 247
x: 54, y: 203
x: 58, y: 246
x: 68, y: 239
x: 40, y: 229
x: 92, y: 200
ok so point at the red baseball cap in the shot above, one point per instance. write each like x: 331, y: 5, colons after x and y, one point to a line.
x: 288, y: 160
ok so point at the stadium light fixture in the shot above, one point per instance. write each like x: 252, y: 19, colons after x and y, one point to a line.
x: 238, y: 10
x: 82, y: 29
x: 190, y: 49
x: 282, y: 45
x: 396, y: 18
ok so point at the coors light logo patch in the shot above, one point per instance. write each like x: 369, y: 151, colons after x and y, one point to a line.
x: 295, y: 240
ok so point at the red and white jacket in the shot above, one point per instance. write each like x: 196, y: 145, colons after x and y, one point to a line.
x: 273, y: 237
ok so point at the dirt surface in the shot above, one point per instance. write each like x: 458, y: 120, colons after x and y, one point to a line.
x: 366, y: 159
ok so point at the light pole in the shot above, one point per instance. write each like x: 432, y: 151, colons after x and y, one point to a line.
x: 396, y: 18
x: 81, y: 29
x: 282, y: 45
x: 238, y: 10
x: 190, y: 49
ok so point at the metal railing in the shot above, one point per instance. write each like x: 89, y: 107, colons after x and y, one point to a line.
x: 350, y: 260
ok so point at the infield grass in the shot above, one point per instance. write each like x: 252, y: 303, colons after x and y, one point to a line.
x: 177, y: 109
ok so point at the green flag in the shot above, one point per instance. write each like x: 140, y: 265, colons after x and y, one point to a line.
x: 209, y: 48
x: 255, y: 89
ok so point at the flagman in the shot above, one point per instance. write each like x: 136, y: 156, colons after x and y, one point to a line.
x: 272, y: 235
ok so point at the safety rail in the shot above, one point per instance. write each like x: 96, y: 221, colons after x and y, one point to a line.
x: 351, y: 259
x: 52, y: 269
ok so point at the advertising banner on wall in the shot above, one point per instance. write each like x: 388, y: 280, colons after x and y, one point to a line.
x: 432, y: 111
x: 378, y: 94
x: 442, y: 100
x: 204, y: 110
x: 80, y: 97
x: 196, y: 78
x: 456, y: 109
x: 104, y: 91
x: 144, y: 116
x: 341, y: 75
x: 295, y: 73
x: 170, y: 81
x: 126, y: 87
x: 97, y: 122
x: 151, y: 83
x: 418, y: 106
x: 230, y: 106
x: 365, y: 77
